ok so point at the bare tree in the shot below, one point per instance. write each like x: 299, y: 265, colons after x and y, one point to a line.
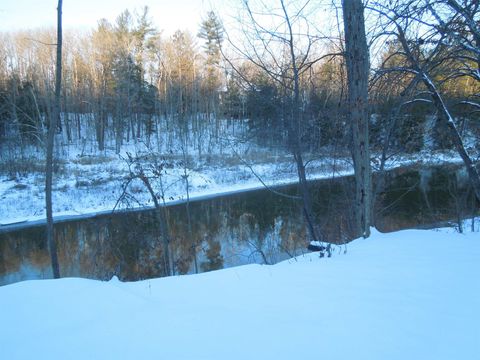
x: 282, y: 48
x: 357, y: 61
x: 428, y: 47
x: 53, y: 124
x: 147, y: 173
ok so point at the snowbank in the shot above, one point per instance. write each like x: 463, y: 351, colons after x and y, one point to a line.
x: 406, y: 295
x: 87, y: 190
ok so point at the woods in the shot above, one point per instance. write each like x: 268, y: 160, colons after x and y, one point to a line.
x: 119, y: 80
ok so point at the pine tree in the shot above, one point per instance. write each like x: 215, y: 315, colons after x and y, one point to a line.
x: 212, y: 32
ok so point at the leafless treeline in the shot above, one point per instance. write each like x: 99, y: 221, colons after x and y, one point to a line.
x: 122, y: 78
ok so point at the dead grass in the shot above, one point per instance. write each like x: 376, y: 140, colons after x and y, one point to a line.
x: 19, y: 187
x: 251, y: 157
x: 92, y: 182
x: 92, y: 160
x: 27, y: 166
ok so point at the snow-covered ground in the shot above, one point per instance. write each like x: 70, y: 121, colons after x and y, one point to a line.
x: 408, y: 295
x: 91, y: 184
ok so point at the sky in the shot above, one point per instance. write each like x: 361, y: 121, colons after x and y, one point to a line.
x: 168, y: 15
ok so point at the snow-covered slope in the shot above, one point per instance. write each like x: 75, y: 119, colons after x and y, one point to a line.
x: 405, y: 295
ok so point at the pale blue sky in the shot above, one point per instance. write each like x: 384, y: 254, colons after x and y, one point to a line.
x: 168, y: 15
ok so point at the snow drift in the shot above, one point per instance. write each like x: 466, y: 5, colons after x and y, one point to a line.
x: 406, y: 295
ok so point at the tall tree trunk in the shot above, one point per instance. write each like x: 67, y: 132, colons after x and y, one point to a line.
x: 294, y: 127
x: 357, y: 73
x: 53, y: 123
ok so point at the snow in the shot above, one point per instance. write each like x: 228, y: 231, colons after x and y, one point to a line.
x: 86, y: 188
x: 90, y: 181
x: 413, y: 294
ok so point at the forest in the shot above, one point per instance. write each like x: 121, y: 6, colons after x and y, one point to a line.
x: 122, y: 79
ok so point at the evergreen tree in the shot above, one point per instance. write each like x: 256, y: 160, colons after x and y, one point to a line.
x: 212, y: 32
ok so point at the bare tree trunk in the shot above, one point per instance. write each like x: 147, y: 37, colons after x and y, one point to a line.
x: 294, y: 126
x: 185, y: 177
x: 54, y: 121
x: 162, y: 220
x: 357, y: 73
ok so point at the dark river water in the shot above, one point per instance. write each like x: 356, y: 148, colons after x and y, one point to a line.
x: 250, y: 227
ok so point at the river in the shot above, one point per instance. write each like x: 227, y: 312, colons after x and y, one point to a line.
x: 230, y: 230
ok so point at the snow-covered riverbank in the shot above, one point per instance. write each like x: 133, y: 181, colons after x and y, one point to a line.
x: 92, y: 185
x: 406, y: 295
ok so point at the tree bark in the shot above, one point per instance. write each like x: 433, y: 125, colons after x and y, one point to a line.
x: 357, y: 61
x: 53, y: 123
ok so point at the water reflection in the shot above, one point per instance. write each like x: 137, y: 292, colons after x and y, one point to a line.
x: 251, y: 227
